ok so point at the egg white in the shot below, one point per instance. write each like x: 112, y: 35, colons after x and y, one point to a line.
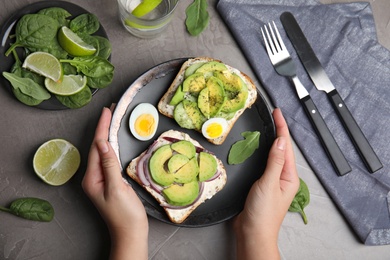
x: 143, y: 108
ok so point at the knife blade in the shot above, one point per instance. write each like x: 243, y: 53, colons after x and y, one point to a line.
x: 322, y: 82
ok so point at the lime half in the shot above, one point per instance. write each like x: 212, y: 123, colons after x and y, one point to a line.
x: 70, y: 85
x: 44, y: 64
x: 56, y: 161
x: 145, y: 7
x: 73, y: 44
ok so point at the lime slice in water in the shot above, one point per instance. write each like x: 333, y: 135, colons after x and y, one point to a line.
x: 44, y: 64
x: 73, y: 44
x: 70, y: 84
x: 56, y: 161
x: 145, y: 7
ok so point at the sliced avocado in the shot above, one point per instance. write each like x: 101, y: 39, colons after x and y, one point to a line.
x: 194, y: 84
x: 211, y: 98
x: 207, y: 166
x: 216, y: 95
x: 236, y: 102
x: 225, y: 115
x: 178, y: 96
x: 188, y: 172
x: 181, y: 195
x: 181, y: 117
x: 231, y: 81
x: 185, y: 148
x: 210, y: 67
x: 204, y: 102
x: 191, y: 69
x: 193, y: 112
x: 176, y: 162
x: 156, y: 166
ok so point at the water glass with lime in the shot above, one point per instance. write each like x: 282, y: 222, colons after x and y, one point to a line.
x: 146, y: 18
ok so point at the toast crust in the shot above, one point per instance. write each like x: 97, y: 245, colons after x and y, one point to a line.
x: 210, y: 188
x: 167, y: 110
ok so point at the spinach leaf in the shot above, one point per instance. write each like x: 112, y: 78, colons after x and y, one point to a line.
x: 91, y: 66
x: 34, y: 31
x: 58, y: 14
x: 301, y: 200
x: 27, y: 86
x: 77, y: 100
x: 197, y: 17
x: 100, y: 82
x: 84, y: 24
x: 104, y: 48
x: 243, y: 149
x: 31, y: 208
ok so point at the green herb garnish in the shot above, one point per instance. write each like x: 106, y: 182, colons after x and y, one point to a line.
x: 31, y: 208
x: 301, y: 200
x: 197, y: 17
x: 243, y: 149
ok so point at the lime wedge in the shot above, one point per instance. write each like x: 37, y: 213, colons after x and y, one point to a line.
x: 70, y: 84
x: 73, y: 44
x: 56, y: 161
x: 145, y: 7
x: 44, y: 64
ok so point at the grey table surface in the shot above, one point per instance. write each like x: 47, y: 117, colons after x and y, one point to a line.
x: 77, y: 231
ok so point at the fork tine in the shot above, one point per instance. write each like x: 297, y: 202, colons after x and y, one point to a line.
x: 267, y: 45
x: 283, y: 47
x: 270, y: 41
x: 275, y: 40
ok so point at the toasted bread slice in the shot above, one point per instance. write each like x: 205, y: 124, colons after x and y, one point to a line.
x: 210, y: 188
x: 166, y: 109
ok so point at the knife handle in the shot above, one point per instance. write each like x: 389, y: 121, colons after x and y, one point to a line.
x: 331, y: 147
x: 363, y: 147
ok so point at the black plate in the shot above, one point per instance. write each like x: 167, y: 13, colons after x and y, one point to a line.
x: 9, y: 29
x: 228, y: 202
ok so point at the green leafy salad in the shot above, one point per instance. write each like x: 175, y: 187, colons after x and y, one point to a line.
x: 81, y: 56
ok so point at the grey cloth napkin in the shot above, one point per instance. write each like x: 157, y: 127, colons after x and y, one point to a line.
x: 344, y: 38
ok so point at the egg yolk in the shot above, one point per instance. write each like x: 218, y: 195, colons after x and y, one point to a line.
x: 214, y: 130
x: 144, y: 125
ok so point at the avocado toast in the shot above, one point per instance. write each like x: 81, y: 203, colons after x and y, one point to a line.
x: 206, y: 88
x: 179, y: 173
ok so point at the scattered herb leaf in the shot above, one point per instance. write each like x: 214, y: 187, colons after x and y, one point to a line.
x: 301, y: 200
x: 31, y: 208
x: 243, y: 149
x: 197, y: 17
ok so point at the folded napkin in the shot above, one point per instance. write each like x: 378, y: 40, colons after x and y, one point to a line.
x: 344, y: 38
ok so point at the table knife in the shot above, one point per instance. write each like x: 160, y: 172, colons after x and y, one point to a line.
x: 322, y: 82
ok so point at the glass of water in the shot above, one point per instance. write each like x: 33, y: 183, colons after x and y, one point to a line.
x: 150, y: 24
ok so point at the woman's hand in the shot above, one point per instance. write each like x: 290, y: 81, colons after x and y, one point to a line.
x: 116, y: 201
x: 257, y: 226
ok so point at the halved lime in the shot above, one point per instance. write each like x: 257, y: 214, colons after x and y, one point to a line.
x: 145, y: 7
x: 73, y: 44
x: 56, y: 161
x: 44, y: 64
x: 70, y: 84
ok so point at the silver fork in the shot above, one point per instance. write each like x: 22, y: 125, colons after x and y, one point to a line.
x: 284, y: 65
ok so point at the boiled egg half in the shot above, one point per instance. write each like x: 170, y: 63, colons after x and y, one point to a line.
x: 214, y: 127
x: 143, y: 121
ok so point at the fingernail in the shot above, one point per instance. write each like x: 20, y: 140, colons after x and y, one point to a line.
x: 281, y: 143
x: 103, y: 146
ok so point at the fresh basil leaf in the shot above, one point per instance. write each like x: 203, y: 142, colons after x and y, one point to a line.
x: 27, y: 86
x: 243, y: 149
x: 31, y: 208
x: 84, y: 24
x: 197, y: 17
x: 77, y: 100
x: 301, y: 200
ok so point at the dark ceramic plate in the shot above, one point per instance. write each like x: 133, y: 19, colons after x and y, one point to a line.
x: 9, y: 29
x: 150, y: 87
